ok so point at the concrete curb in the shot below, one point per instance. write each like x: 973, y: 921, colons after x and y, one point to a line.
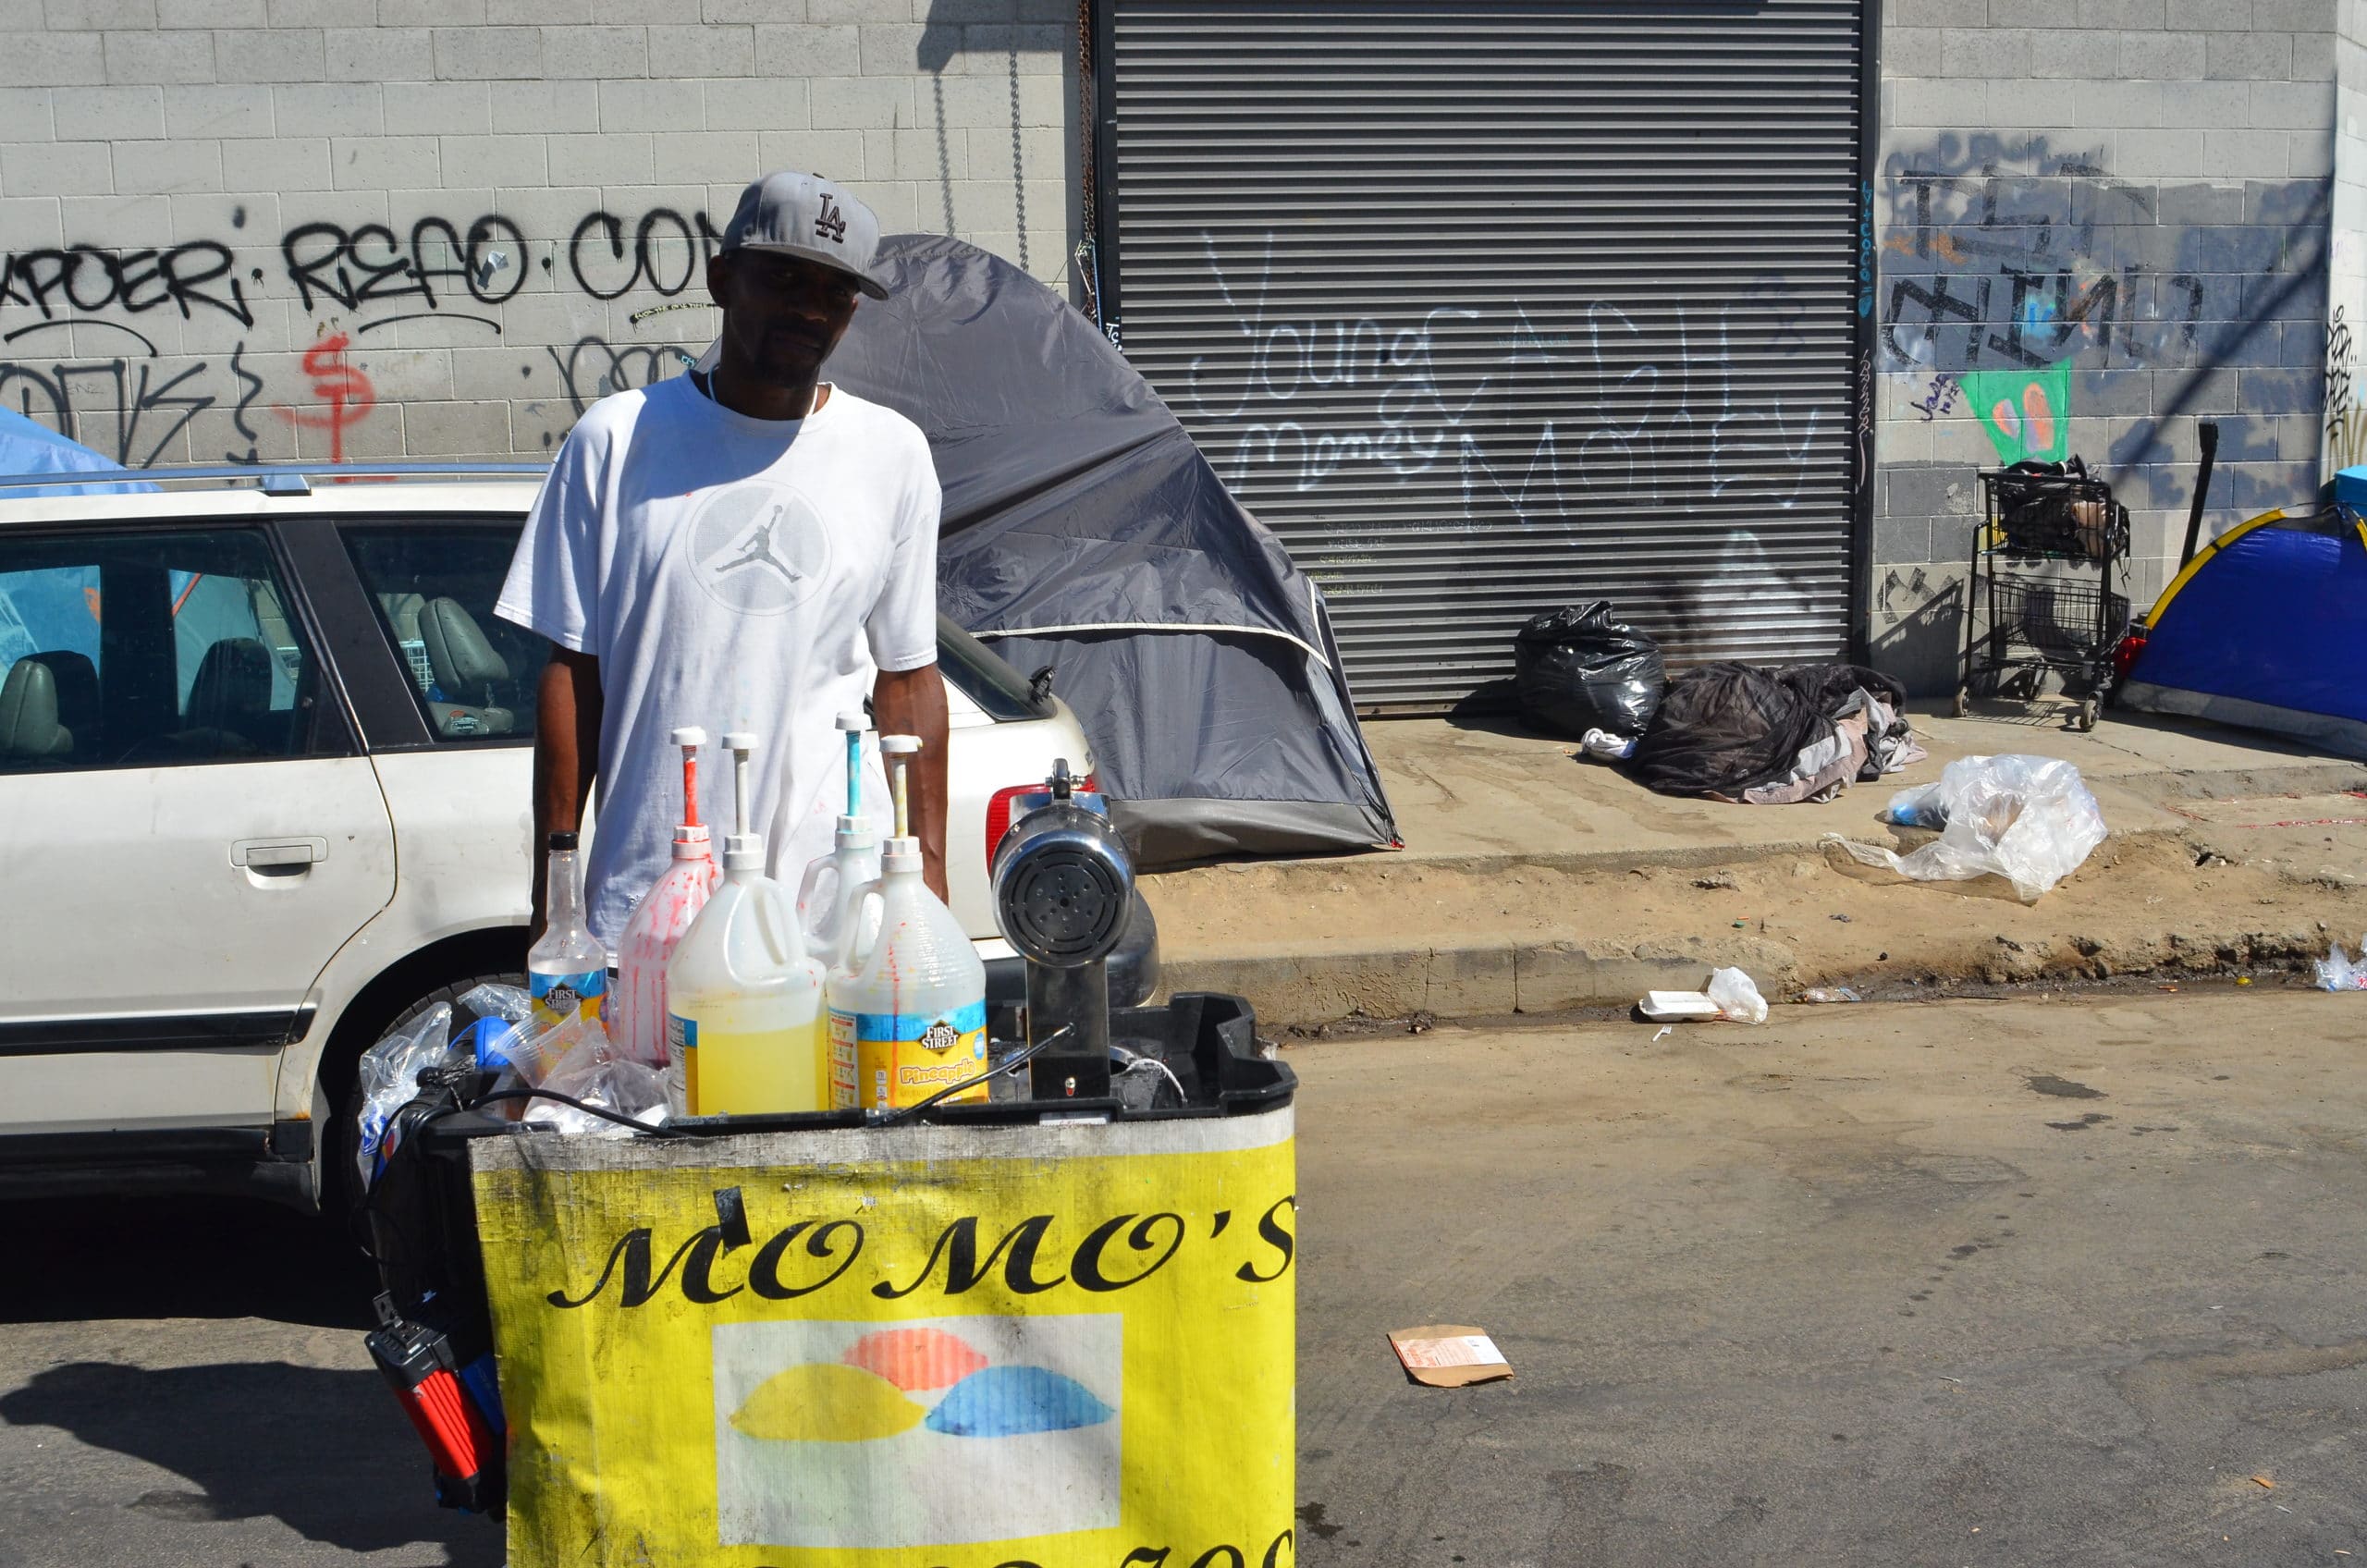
x: 1491, y: 979
x: 1315, y: 983
x: 1312, y: 979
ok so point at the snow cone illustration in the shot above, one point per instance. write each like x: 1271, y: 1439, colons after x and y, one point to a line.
x: 931, y: 1433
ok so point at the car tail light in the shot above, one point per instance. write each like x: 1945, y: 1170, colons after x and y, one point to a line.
x: 999, y: 809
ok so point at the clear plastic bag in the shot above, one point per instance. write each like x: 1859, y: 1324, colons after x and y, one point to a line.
x: 595, y: 1075
x: 2336, y: 973
x: 535, y: 1054
x: 510, y: 1003
x: 1737, y: 996
x: 388, y: 1077
x: 2027, y: 819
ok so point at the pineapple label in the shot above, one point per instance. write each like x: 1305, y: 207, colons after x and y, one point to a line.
x: 901, y: 1058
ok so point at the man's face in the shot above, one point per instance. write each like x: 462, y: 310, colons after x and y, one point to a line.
x: 781, y: 314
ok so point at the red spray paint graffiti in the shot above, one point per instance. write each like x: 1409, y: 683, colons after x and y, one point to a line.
x: 346, y: 391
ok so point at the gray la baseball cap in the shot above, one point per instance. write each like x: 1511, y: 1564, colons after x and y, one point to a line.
x: 803, y: 214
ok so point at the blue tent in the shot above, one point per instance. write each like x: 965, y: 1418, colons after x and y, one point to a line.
x: 2267, y: 628
x: 27, y: 447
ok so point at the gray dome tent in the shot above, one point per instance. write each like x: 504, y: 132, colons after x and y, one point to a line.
x: 1083, y: 531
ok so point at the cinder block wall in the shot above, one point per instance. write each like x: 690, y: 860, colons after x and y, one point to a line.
x: 2346, y: 399
x: 2112, y: 218
x: 265, y: 228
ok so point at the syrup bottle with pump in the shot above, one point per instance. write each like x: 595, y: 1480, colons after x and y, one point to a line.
x: 912, y: 1012
x: 743, y: 1001
x: 830, y: 901
x: 567, y: 971
x: 637, y: 1010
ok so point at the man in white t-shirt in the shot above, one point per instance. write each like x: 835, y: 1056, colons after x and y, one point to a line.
x: 741, y: 547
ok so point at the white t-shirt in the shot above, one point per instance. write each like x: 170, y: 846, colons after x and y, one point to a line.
x: 732, y: 573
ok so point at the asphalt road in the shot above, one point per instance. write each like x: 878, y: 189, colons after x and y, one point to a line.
x: 1997, y: 1282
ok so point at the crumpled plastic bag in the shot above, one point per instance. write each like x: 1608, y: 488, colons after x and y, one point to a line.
x: 1737, y: 996
x: 2027, y: 819
x: 535, y: 1050
x: 511, y: 1004
x: 595, y: 1075
x: 2336, y: 973
x: 388, y: 1076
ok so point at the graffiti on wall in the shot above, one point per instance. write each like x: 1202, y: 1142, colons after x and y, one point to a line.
x: 2027, y: 414
x: 344, y: 283
x: 2010, y: 262
x: 1644, y: 408
x: 2345, y: 420
x: 2009, y: 269
x: 1939, y: 398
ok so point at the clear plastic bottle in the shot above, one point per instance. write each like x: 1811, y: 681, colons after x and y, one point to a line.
x: 637, y: 1007
x: 567, y: 972
x: 831, y: 905
x: 743, y: 1001
x: 912, y: 1015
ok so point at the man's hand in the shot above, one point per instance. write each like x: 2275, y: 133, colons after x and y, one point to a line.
x: 567, y: 756
x: 912, y: 702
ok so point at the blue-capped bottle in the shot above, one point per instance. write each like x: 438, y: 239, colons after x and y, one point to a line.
x: 567, y: 972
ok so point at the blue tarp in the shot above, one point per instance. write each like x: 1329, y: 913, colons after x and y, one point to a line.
x: 2268, y: 630
x: 27, y: 447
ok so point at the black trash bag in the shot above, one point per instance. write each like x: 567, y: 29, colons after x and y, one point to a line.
x: 1722, y: 729
x: 1578, y: 670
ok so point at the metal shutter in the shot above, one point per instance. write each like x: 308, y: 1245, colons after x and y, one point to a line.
x: 1490, y: 309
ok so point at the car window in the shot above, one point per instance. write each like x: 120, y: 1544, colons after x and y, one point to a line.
x: 136, y: 648
x: 433, y: 583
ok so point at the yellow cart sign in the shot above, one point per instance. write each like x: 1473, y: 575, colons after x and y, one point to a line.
x: 1066, y: 1346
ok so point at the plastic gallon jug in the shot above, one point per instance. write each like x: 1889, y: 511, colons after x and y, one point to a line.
x: 911, y: 1018
x: 567, y: 972
x: 637, y: 1006
x: 829, y: 900
x: 743, y: 1001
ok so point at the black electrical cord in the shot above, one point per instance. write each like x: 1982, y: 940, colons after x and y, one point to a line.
x: 1009, y: 1063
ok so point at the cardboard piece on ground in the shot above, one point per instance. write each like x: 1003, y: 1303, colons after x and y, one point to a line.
x: 1447, y: 1355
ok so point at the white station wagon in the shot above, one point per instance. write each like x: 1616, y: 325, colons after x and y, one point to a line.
x: 265, y: 759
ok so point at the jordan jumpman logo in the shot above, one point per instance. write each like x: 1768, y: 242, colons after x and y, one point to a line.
x: 759, y: 552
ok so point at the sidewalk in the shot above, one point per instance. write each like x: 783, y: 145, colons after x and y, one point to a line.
x: 1532, y: 880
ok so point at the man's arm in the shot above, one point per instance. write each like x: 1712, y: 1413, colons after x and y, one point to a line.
x: 567, y: 756
x: 912, y: 702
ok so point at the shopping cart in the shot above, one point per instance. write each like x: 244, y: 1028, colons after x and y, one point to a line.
x: 2039, y: 597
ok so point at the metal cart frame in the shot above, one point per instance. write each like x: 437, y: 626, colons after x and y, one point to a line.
x: 2045, y: 613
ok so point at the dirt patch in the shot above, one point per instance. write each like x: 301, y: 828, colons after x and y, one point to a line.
x: 2139, y: 906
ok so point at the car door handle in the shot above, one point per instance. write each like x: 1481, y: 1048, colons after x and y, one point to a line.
x: 263, y: 855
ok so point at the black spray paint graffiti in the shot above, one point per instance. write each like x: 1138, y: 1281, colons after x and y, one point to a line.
x: 607, y: 268
x: 2004, y: 269
x: 2346, y: 421
x: 148, y: 406
x: 86, y: 280
x: 347, y: 281
x: 2005, y: 255
x: 592, y: 367
x: 360, y: 267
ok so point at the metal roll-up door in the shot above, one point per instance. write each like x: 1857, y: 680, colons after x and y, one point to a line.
x: 1491, y: 308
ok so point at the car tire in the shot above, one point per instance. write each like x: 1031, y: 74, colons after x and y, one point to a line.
x: 341, y: 1188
